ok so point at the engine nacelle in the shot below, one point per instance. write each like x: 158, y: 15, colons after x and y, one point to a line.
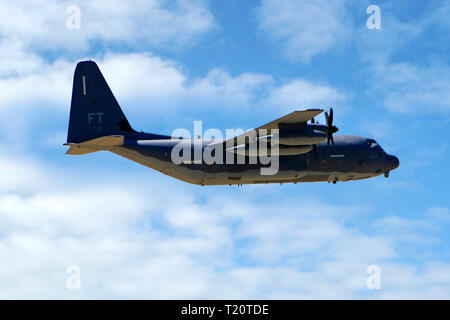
x: 283, y: 150
x: 303, y: 137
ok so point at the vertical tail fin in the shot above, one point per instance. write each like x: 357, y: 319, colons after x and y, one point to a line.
x: 94, y: 111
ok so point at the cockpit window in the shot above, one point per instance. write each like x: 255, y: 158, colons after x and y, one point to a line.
x: 372, y: 143
x: 375, y: 147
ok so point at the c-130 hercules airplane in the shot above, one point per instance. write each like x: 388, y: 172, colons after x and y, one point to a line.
x: 302, y: 150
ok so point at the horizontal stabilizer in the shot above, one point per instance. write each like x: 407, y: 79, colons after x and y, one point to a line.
x: 93, y: 145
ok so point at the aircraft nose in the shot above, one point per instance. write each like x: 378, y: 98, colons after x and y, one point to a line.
x: 392, y: 162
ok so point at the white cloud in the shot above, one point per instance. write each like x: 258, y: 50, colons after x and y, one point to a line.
x: 20, y: 176
x: 134, y: 241
x: 163, y: 85
x: 438, y: 16
x: 302, y: 94
x: 378, y: 129
x: 41, y: 86
x: 410, y: 88
x: 218, y: 84
x: 403, y: 86
x: 41, y: 24
x: 376, y: 45
x: 410, y: 282
x: 14, y: 60
x: 147, y: 85
x: 133, y: 78
x: 306, y: 28
x: 441, y: 214
x: 158, y: 82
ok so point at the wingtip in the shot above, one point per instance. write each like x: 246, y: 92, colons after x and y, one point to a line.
x: 314, y: 110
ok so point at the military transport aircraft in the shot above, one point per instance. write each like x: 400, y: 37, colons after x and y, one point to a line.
x: 302, y: 150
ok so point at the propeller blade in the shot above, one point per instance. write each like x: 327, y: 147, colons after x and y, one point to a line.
x: 331, y: 128
x: 315, y: 150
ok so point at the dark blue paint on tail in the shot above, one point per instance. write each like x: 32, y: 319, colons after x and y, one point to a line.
x: 94, y: 111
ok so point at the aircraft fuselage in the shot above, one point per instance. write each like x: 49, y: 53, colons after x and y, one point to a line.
x: 350, y: 158
x: 292, y: 148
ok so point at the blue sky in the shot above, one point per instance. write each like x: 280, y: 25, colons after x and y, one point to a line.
x: 135, y: 233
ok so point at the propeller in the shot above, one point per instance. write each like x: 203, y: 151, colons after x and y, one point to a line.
x: 331, y: 129
x: 313, y: 121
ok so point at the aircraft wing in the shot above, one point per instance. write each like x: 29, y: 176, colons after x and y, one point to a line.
x: 293, y: 119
